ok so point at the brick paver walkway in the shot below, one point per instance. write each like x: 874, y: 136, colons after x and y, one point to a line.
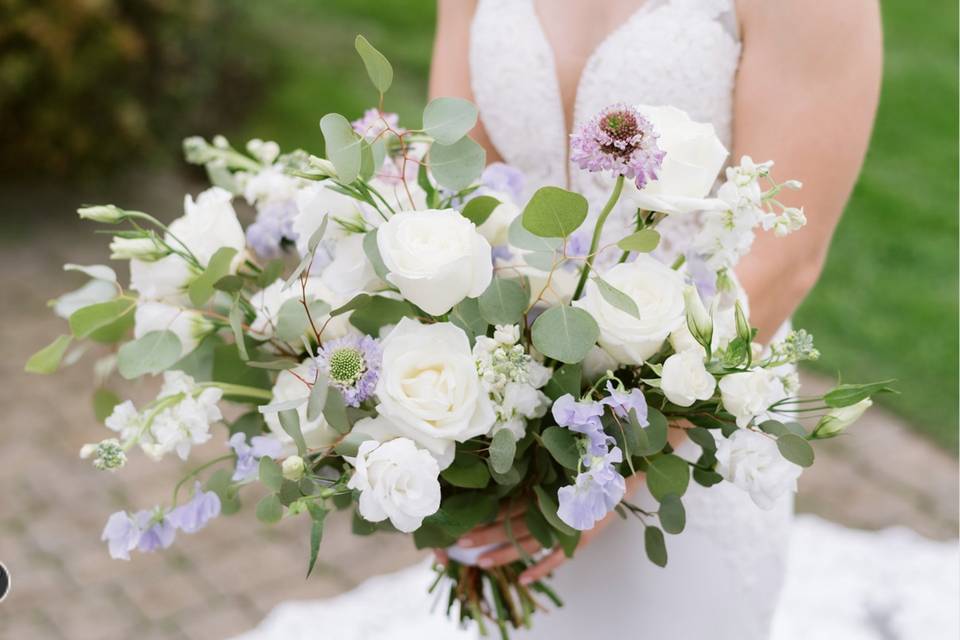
x: 226, y: 578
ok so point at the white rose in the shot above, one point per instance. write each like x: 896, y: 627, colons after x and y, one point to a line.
x: 209, y: 224
x: 751, y: 461
x: 350, y: 272
x: 657, y: 291
x: 317, y: 201
x: 396, y: 480
x: 164, y: 279
x: 749, y: 394
x: 436, y: 258
x: 694, y: 156
x: 684, y: 379
x: 497, y: 226
x: 429, y: 387
x: 189, y: 326
x: 316, y: 433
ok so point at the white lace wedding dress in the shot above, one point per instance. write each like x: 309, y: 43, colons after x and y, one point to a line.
x: 726, y: 571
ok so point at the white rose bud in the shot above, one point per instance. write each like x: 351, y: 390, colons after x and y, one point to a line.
x: 396, y: 480
x: 293, y: 468
x: 107, y: 213
x: 656, y: 289
x: 699, y: 321
x: 837, y: 421
x: 750, y: 394
x: 684, y: 379
x: 436, y: 258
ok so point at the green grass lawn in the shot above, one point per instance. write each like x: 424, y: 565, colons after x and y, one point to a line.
x: 886, y: 306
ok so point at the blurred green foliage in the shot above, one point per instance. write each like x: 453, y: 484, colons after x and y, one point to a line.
x: 89, y: 85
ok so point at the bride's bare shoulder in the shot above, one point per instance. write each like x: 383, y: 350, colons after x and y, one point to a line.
x: 805, y: 24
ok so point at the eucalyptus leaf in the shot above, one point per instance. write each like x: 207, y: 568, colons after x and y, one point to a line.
x: 845, y: 395
x: 520, y: 238
x: 335, y: 411
x: 380, y: 311
x: 566, y: 379
x: 229, y: 283
x: 378, y: 67
x: 447, y: 120
x: 479, y: 209
x: 47, y: 360
x: 503, y: 448
x: 503, y: 302
x: 458, y: 165
x: 104, y: 401
x: 565, y: 333
x: 553, y: 212
x: 667, y: 474
x: 273, y: 365
x: 343, y: 146
x: 152, y: 353
x: 317, y: 516
x: 617, y: 298
x: 654, y: 436
x: 86, y: 320
x: 538, y: 527
x: 292, y: 320
x: 466, y: 315
x: 468, y: 471
x: 643, y: 241
x: 269, y: 509
x: 318, y: 399
x: 372, y: 251
x: 350, y: 444
x: 290, y: 421
x: 270, y: 473
x: 270, y: 273
x: 236, y: 325
x: 795, y: 449
x: 673, y: 517
x: 548, y: 507
x: 655, y: 546
x: 562, y: 445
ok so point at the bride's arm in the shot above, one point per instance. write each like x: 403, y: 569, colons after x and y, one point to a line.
x: 450, y: 67
x: 806, y: 94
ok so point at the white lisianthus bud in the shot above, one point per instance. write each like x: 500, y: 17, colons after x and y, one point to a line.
x: 684, y: 379
x: 396, y: 480
x: 837, y: 421
x: 793, y: 184
x: 507, y: 334
x: 87, y: 450
x: 293, y: 468
x: 107, y: 213
x: 323, y: 166
x: 744, y: 332
x: 435, y: 257
x: 145, y: 249
x: 699, y: 321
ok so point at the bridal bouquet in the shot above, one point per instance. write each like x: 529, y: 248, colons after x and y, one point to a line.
x: 403, y: 333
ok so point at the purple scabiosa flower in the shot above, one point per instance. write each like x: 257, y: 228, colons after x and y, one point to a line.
x: 594, y: 493
x: 352, y: 365
x: 623, y: 401
x: 374, y: 122
x: 619, y: 140
x: 156, y: 531
x: 195, y: 514
x: 121, y: 534
x: 248, y: 455
x: 273, y: 225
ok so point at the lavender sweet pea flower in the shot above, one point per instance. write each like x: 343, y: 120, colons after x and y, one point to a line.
x: 274, y: 224
x: 704, y: 278
x: 121, y: 534
x: 503, y: 178
x: 622, y: 402
x: 582, y: 417
x: 594, y: 494
x: 154, y: 534
x: 194, y: 515
x: 248, y: 457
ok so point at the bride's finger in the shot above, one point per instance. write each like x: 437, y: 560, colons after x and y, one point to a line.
x: 441, y: 557
x: 543, y: 568
x: 495, y: 533
x: 507, y: 553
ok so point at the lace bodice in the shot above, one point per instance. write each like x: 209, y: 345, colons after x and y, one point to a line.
x: 682, y: 53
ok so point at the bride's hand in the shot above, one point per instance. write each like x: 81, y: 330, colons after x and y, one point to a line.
x: 505, y: 552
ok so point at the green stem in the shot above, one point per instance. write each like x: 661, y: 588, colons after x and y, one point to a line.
x: 239, y: 390
x: 601, y: 219
x: 194, y: 472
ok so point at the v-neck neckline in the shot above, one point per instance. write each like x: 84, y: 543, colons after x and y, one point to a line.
x: 566, y: 126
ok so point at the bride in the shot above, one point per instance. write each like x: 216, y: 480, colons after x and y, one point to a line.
x: 787, y: 79
x: 793, y: 80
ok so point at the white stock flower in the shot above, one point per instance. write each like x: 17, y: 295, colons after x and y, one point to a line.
x: 657, y: 291
x: 429, y: 387
x: 316, y: 433
x: 189, y: 326
x: 694, y: 156
x: 748, y: 395
x: 684, y: 379
x: 208, y: 224
x: 185, y: 423
x: 164, y: 279
x: 435, y: 257
x: 350, y: 272
x: 396, y: 480
x: 751, y: 461
x: 125, y: 420
x: 270, y: 185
